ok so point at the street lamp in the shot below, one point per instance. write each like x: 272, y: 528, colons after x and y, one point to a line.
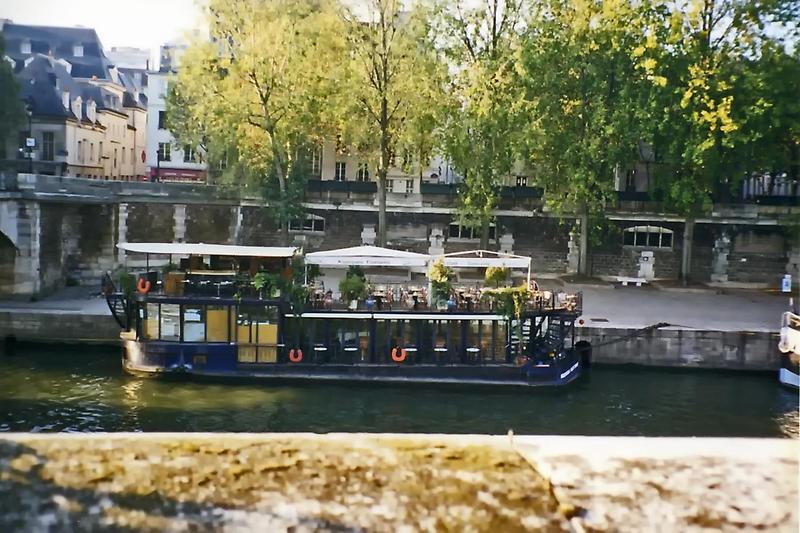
x: 29, y: 141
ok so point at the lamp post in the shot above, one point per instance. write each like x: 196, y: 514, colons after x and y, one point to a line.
x: 28, y: 144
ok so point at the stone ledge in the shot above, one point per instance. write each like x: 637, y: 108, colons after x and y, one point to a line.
x: 387, y: 482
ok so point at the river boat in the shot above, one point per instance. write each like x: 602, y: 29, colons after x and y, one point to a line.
x: 789, y: 345
x: 206, y: 316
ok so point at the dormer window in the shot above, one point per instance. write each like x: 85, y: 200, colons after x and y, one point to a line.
x: 25, y: 47
x: 77, y: 50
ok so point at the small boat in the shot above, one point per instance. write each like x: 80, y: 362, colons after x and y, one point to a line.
x: 789, y: 345
x: 206, y: 316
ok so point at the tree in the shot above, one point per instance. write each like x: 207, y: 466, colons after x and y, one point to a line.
x: 584, y: 96
x: 723, y: 115
x: 10, y: 105
x: 261, y: 88
x: 483, y: 130
x: 393, y: 87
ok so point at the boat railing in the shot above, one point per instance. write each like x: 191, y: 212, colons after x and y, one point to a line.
x: 232, y: 285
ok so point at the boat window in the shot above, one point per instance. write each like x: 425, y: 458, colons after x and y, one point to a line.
x: 472, y: 344
x: 257, y: 334
x: 410, y: 334
x: 382, y: 341
x: 194, y: 323
x: 170, y: 322
x: 217, y: 323
x: 487, y: 340
x: 151, y: 321
x: 454, y: 340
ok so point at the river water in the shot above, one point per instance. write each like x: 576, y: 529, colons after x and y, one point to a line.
x: 85, y: 389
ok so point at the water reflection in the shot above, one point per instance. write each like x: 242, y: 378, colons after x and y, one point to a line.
x: 45, y: 389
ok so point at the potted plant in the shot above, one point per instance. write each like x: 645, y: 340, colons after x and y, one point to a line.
x: 352, y: 288
x: 267, y: 284
x: 441, y: 277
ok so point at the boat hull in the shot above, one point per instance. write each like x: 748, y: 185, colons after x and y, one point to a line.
x: 220, y: 360
x: 789, y: 373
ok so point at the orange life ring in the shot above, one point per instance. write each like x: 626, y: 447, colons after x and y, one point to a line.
x: 143, y: 286
x: 398, y: 357
x: 295, y: 356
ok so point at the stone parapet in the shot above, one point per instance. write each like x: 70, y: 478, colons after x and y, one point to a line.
x: 348, y: 482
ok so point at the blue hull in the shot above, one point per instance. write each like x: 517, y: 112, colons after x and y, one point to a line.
x: 220, y: 360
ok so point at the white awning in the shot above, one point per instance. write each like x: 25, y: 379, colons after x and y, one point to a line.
x: 224, y: 250
x: 367, y: 256
x: 485, y: 259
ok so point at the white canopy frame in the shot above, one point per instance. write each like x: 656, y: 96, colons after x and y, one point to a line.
x: 485, y: 259
x: 375, y: 256
x: 223, y: 250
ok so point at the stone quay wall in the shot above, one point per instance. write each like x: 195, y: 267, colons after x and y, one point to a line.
x: 385, y: 482
x: 668, y: 347
x: 58, y: 327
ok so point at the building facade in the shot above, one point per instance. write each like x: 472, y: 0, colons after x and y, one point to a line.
x: 166, y: 159
x: 86, y: 117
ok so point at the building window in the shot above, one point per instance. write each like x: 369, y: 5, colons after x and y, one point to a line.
x: 457, y: 231
x: 25, y: 47
x: 340, y: 171
x: 91, y: 152
x: 100, y: 152
x: 47, y: 146
x: 77, y: 50
x: 409, y: 186
x: 123, y: 156
x: 522, y: 181
x: 316, y: 160
x: 164, y: 152
x: 188, y: 154
x: 309, y: 223
x: 363, y: 172
x: 162, y: 120
x: 80, y: 152
x: 132, y: 161
x: 115, y: 158
x: 648, y: 237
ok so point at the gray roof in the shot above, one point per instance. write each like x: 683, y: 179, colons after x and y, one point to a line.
x: 60, y: 42
x: 43, y: 81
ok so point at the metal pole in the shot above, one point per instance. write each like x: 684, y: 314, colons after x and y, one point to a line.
x: 30, y: 148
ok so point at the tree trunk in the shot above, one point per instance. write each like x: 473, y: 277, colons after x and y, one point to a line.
x: 485, y: 224
x: 382, y: 207
x: 686, y: 256
x: 383, y: 170
x: 280, y: 173
x: 583, y: 255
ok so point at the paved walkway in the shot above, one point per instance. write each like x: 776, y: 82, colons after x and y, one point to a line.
x: 636, y: 307
x: 79, y: 300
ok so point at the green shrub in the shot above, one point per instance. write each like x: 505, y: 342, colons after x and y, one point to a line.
x: 496, y: 276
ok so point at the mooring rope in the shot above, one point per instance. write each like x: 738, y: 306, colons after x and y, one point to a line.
x: 636, y: 333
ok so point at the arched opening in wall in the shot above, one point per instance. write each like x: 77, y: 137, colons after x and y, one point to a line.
x: 8, y: 257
